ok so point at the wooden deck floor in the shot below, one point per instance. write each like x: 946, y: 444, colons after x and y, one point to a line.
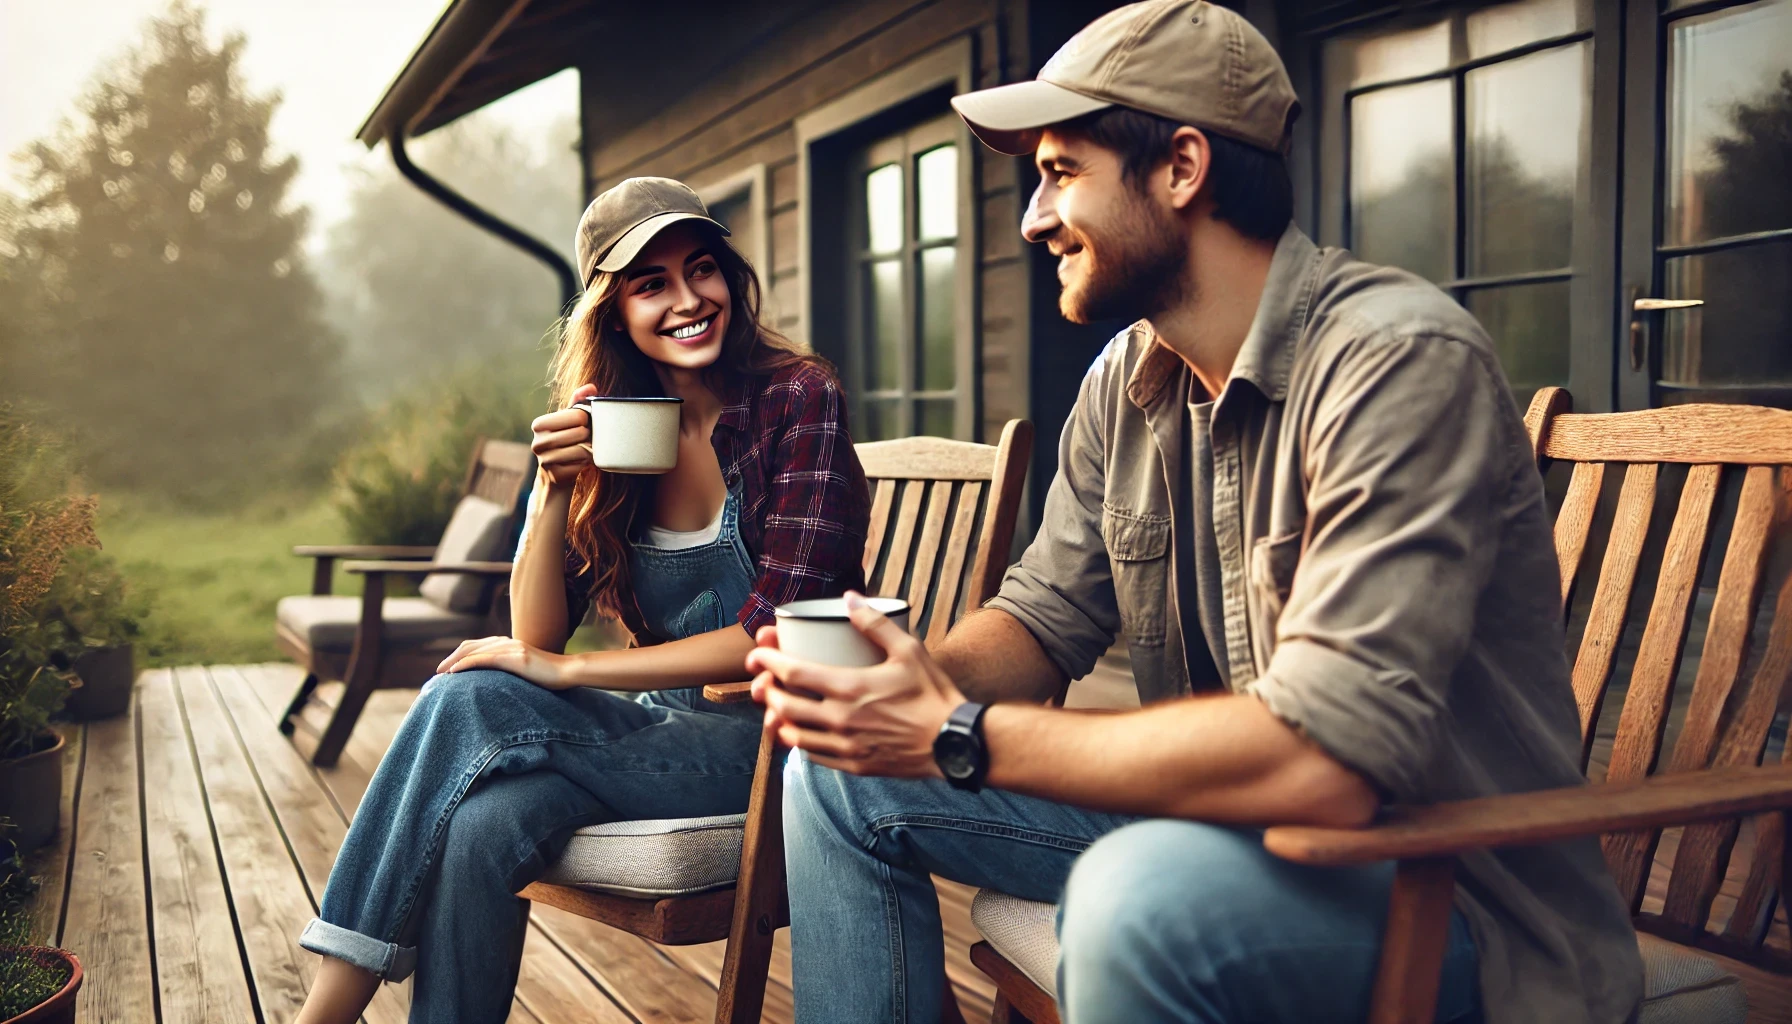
x: 196, y: 843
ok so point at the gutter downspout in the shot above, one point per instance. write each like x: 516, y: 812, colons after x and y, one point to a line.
x: 569, y: 281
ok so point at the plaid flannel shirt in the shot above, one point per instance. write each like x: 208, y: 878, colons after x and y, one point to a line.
x: 804, y: 505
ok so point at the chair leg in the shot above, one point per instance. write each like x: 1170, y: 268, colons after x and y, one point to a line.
x: 1412, y: 948
x: 297, y: 705
x: 363, y: 672
x: 761, y: 902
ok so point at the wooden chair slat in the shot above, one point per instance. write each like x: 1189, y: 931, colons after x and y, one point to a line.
x: 1732, y: 613
x: 902, y: 540
x: 925, y: 458
x: 933, y: 530
x: 1611, y: 602
x: 881, y: 500
x: 952, y: 567
x: 1739, y: 434
x: 1575, y: 522
x: 1546, y: 405
x: 1645, y: 712
x: 1753, y: 914
x: 1705, y: 849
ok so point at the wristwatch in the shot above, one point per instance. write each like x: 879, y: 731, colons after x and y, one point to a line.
x: 959, y: 749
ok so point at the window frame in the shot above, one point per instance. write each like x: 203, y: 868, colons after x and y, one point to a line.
x: 904, y: 98
x: 752, y: 182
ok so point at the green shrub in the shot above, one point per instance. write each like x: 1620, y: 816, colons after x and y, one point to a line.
x: 92, y: 602
x: 400, y: 484
x: 41, y: 519
x: 25, y: 980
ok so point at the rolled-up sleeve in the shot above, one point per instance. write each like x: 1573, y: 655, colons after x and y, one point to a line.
x: 1062, y: 589
x: 1408, y: 458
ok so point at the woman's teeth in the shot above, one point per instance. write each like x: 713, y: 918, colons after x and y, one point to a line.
x: 692, y: 330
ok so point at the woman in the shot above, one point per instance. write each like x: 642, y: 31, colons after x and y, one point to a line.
x: 515, y: 744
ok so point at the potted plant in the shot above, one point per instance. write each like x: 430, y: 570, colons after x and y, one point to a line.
x: 39, y: 522
x: 37, y: 983
x: 89, y: 599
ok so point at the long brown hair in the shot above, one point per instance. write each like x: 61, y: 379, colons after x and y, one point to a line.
x: 595, y: 348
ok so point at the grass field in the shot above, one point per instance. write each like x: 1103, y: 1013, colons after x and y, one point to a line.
x: 212, y: 579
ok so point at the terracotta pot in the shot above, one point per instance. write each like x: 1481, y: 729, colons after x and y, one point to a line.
x: 59, y: 1008
x: 107, y: 674
x: 31, y: 794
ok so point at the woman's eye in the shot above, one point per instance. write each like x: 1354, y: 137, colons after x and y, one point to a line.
x: 703, y: 269
x: 649, y: 286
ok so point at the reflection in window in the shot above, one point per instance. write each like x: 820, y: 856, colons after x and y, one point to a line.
x: 1529, y: 327
x: 937, y: 170
x: 1401, y: 178
x: 883, y: 208
x: 1729, y: 123
x: 1527, y: 143
x: 1505, y: 27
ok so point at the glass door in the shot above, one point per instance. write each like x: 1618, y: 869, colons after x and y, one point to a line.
x: 1706, y: 265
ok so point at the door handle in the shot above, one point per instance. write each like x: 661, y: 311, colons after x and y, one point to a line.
x: 1640, y: 304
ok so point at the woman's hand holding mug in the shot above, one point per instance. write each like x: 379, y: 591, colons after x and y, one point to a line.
x: 562, y: 441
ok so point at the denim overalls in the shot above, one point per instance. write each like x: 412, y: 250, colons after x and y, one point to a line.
x: 490, y: 774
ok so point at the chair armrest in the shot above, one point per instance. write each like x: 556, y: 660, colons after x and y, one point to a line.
x: 1543, y: 816
x: 729, y: 693
x: 422, y: 568
x: 387, y: 551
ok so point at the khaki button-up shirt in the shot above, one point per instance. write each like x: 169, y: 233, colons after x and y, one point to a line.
x: 1381, y: 560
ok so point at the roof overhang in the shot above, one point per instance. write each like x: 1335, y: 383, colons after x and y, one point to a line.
x: 479, y: 51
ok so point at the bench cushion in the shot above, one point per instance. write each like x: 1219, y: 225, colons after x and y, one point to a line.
x: 328, y: 621
x: 665, y: 857
x: 475, y: 533
x: 1679, y: 985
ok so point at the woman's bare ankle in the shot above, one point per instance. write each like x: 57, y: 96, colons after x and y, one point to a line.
x: 338, y: 994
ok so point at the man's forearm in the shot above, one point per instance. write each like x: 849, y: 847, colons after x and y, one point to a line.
x: 1224, y: 759
x: 992, y: 657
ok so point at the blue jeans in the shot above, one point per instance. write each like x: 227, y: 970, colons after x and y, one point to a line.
x: 486, y: 779
x: 1160, y: 920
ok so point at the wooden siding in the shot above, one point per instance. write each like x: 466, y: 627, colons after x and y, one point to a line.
x: 744, y: 113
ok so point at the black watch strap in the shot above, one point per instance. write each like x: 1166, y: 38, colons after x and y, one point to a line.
x: 959, y: 748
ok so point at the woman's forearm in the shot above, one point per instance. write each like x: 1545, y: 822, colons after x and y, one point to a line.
x: 715, y: 657
x: 538, y: 576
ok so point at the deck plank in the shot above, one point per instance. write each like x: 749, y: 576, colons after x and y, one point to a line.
x: 272, y: 905
x: 199, y: 973
x: 634, y: 972
x: 49, y: 864
x: 552, y: 987
x: 107, y: 924
x: 313, y: 824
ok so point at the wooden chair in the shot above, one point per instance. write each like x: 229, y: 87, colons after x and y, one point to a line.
x: 376, y: 642
x: 942, y: 522
x: 1709, y: 780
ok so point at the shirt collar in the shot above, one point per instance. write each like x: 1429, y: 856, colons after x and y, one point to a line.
x: 1266, y: 358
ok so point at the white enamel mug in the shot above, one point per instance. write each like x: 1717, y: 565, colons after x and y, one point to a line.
x: 819, y: 631
x: 633, y: 435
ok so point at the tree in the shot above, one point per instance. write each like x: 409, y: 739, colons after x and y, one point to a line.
x: 419, y: 291
x: 179, y: 331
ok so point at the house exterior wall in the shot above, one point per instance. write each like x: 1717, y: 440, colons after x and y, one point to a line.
x: 745, y: 113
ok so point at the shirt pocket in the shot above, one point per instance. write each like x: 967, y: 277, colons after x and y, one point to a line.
x: 1139, y: 548
x: 1273, y: 563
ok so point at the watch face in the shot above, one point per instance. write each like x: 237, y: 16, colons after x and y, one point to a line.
x: 956, y: 753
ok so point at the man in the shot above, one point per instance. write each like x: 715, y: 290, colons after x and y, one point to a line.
x: 1301, y: 490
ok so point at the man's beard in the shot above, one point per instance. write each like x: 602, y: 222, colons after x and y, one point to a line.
x: 1139, y: 273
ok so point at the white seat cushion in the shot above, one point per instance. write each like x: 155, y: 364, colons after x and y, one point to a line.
x: 1679, y: 985
x: 327, y: 621
x: 475, y: 533
x: 665, y: 857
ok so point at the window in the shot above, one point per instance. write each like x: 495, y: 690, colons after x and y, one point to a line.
x: 738, y: 203
x: 1462, y: 150
x: 908, y: 357
x: 1725, y: 208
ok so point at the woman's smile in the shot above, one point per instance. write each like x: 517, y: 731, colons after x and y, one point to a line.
x: 694, y: 333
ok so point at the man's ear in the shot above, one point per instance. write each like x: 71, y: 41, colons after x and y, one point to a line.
x: 1190, y: 158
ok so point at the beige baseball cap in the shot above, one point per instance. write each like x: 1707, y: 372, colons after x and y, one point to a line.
x: 1186, y: 60
x: 623, y: 219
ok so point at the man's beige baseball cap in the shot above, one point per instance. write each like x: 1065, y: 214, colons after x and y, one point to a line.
x: 1186, y: 60
x: 624, y: 218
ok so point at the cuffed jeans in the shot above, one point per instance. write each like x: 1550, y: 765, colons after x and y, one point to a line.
x: 486, y: 779
x: 1160, y: 920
